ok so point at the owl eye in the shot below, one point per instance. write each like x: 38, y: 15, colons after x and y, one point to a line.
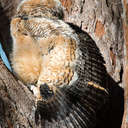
x: 24, y: 17
x: 25, y: 34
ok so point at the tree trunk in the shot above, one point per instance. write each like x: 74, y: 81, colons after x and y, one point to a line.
x: 125, y: 80
x: 102, y: 19
x: 7, y: 10
x: 16, y: 102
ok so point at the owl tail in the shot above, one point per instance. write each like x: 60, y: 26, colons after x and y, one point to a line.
x: 70, y: 108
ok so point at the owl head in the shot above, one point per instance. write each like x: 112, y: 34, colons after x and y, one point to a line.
x: 40, y: 8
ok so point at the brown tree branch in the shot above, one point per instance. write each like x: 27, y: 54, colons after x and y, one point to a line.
x: 125, y: 28
x: 17, y: 104
x: 7, y: 11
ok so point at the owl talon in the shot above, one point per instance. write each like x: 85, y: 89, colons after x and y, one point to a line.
x: 36, y: 91
x: 43, y: 92
x: 32, y: 87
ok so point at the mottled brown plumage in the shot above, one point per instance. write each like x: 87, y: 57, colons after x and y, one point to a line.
x: 63, y: 63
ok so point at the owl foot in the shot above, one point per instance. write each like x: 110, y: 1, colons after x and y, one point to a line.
x: 42, y: 93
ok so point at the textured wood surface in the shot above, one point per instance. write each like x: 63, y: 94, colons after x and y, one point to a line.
x: 17, y: 104
x: 102, y: 20
x: 125, y: 25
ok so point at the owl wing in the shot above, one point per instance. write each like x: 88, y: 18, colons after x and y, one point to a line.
x: 77, y: 105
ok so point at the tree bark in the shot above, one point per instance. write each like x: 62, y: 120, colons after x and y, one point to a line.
x: 102, y: 19
x: 7, y: 11
x: 125, y: 79
x: 17, y: 104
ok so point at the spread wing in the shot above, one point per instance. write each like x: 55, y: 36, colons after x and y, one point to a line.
x: 77, y: 105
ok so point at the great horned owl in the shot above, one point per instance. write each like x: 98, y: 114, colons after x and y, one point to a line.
x: 62, y: 63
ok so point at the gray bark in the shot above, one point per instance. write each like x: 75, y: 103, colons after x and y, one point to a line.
x: 102, y: 20
x: 17, y: 104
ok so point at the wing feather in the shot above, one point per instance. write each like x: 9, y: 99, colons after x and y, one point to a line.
x: 77, y: 105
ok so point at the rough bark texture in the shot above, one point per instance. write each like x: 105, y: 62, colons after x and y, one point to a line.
x: 125, y: 76
x: 102, y: 19
x: 17, y: 104
x: 7, y: 10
